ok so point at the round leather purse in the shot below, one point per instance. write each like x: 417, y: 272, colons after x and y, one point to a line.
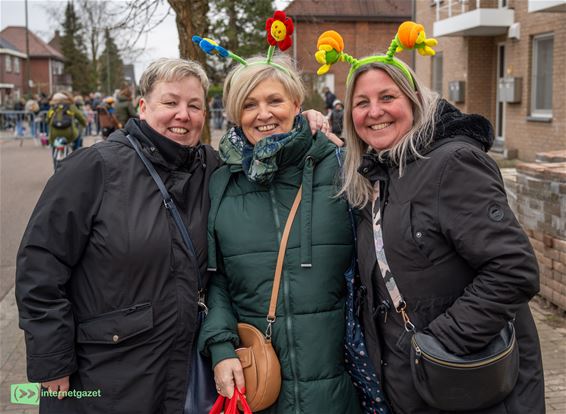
x: 262, y: 371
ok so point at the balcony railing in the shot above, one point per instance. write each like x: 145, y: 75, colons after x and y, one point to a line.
x: 450, y: 8
x: 472, y: 17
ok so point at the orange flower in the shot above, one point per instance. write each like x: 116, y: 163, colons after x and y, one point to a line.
x: 412, y: 35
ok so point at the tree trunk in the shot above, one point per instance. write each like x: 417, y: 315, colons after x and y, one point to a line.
x: 192, y: 19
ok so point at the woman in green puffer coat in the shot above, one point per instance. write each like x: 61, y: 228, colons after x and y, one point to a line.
x: 267, y: 157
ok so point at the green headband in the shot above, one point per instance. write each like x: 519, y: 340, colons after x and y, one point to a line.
x: 410, y: 35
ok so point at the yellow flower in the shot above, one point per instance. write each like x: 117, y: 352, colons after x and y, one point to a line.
x: 330, y: 46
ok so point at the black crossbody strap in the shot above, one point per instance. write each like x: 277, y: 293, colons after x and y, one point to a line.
x: 170, y: 205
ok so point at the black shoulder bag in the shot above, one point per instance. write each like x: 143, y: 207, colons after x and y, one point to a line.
x: 201, y: 389
x: 443, y: 380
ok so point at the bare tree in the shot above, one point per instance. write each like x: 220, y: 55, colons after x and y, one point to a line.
x: 191, y: 18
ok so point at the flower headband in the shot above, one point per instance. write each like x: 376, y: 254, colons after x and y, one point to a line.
x: 279, y: 30
x: 410, y: 35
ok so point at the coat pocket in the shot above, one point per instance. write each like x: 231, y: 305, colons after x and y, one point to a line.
x: 116, y: 326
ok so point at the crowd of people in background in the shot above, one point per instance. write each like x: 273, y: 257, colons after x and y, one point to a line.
x: 93, y: 114
x: 104, y: 114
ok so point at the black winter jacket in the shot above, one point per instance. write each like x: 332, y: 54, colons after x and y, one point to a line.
x: 105, y: 286
x: 459, y: 257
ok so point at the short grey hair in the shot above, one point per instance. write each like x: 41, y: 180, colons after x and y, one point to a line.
x: 170, y: 70
x: 242, y: 80
x: 424, y: 102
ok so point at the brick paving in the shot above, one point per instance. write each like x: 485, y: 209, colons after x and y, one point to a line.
x: 550, y: 322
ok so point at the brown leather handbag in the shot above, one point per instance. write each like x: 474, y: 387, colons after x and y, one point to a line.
x: 262, y: 371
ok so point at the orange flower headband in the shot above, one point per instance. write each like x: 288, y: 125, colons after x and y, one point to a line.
x: 410, y: 35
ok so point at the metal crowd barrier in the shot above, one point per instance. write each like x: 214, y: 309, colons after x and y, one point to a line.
x: 22, y: 124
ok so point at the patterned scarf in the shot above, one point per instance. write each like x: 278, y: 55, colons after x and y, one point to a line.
x: 258, y: 162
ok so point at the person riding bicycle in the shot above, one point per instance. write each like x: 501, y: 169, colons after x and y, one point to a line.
x: 63, y: 118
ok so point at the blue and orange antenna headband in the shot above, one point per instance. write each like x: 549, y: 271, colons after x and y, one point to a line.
x: 410, y: 35
x: 279, y: 29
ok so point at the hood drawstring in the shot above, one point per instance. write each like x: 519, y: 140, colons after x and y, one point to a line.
x: 306, y: 213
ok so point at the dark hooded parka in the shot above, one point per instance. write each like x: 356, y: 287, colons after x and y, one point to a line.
x: 459, y: 257
x: 107, y: 291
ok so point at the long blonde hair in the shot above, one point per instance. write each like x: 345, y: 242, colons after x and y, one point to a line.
x: 356, y: 187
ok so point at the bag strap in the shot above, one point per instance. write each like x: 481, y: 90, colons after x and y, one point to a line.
x: 172, y: 208
x: 279, y: 267
x: 379, y: 244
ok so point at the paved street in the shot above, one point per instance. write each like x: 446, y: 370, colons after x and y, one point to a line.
x: 23, y: 172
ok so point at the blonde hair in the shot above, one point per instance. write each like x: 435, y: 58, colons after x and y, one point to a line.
x: 357, y: 188
x: 242, y: 80
x: 170, y: 70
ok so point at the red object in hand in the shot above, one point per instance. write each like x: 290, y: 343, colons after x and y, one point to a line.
x: 230, y: 405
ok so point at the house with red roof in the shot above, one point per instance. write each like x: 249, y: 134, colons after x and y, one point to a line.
x: 11, y: 73
x: 46, y: 63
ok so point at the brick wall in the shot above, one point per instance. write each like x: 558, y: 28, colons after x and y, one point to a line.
x: 361, y: 38
x: 40, y: 73
x: 474, y: 60
x: 528, y: 136
x: 538, y: 197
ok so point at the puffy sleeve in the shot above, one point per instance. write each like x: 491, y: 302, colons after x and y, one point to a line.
x: 475, y: 217
x: 218, y: 336
x: 53, y: 242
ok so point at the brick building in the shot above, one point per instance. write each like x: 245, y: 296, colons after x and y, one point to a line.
x: 11, y: 73
x: 366, y: 26
x: 46, y: 63
x: 505, y: 60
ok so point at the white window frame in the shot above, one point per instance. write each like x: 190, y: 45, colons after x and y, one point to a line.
x: 538, y: 112
x: 16, y: 64
x: 8, y: 63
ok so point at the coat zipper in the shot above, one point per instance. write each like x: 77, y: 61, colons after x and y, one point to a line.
x: 288, y: 323
x: 419, y: 352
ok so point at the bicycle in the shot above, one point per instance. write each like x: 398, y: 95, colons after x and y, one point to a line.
x: 61, y: 149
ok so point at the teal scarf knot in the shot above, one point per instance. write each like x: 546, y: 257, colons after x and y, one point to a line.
x: 259, y: 162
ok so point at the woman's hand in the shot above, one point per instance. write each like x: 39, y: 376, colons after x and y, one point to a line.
x: 59, y: 384
x: 317, y: 121
x: 226, y: 372
x: 334, y: 138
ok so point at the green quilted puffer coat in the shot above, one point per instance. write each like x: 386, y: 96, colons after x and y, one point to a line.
x: 246, y: 222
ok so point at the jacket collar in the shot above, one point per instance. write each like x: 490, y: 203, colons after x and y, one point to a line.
x: 451, y: 125
x: 159, y: 149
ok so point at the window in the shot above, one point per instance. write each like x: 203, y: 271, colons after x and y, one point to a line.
x: 57, y: 67
x: 541, y: 80
x: 16, y: 65
x: 8, y: 62
x: 437, y: 72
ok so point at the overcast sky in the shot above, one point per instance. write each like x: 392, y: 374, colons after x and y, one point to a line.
x: 163, y: 41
